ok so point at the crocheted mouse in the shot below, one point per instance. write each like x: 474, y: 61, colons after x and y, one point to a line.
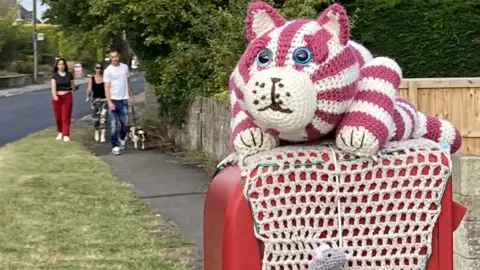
x: 301, y: 80
x: 326, y: 258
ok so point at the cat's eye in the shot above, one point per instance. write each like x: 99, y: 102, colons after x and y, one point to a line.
x: 302, y: 55
x: 264, y: 57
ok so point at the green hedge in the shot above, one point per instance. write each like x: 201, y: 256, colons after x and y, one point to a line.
x: 428, y: 38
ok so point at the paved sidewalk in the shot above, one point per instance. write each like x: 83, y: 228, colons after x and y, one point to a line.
x: 33, y: 87
x: 174, y: 191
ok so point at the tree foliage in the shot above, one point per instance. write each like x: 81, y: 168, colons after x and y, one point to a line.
x: 189, y: 47
x: 8, y: 30
x: 82, y: 36
x: 72, y: 15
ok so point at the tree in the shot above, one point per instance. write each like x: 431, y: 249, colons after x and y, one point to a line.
x: 82, y: 36
x: 72, y: 15
x: 14, y: 40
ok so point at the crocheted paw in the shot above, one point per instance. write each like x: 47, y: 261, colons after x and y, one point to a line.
x: 254, y: 140
x: 357, y: 141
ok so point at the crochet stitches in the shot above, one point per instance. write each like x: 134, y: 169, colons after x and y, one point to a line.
x: 302, y: 80
x: 389, y: 204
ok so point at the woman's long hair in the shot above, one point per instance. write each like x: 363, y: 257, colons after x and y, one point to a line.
x: 101, y: 67
x: 55, y: 69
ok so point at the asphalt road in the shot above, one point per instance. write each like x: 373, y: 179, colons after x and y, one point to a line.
x: 23, y: 114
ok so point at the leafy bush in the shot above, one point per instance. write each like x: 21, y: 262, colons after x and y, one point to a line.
x: 22, y: 67
x: 18, y: 45
x: 195, y: 48
x: 46, y: 68
x: 49, y: 44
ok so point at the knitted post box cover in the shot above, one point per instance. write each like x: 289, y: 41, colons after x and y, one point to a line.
x: 372, y: 195
x: 301, y: 80
x: 380, y: 211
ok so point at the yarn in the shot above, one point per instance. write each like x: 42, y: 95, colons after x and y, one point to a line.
x: 302, y: 80
x: 379, y: 210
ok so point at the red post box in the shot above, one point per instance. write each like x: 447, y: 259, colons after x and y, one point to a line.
x: 229, y: 237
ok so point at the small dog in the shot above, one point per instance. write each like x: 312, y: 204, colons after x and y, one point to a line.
x: 137, y: 134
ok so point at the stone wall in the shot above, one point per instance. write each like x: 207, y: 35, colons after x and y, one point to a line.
x: 466, y: 189
x: 151, y: 104
x: 20, y: 80
x: 207, y: 129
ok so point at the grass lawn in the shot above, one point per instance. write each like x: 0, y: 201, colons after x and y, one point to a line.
x: 61, y: 208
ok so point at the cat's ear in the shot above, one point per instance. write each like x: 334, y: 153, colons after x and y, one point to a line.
x: 335, y: 20
x: 261, y: 18
x: 317, y: 254
x: 324, y: 247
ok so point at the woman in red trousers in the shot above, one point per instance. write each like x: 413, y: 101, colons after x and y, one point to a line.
x: 62, y: 85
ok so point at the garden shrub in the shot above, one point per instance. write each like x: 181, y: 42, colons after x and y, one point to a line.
x: 428, y: 38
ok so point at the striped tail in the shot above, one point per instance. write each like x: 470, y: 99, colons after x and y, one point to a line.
x: 411, y: 123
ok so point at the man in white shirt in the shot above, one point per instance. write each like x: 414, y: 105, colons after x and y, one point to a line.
x: 118, y: 93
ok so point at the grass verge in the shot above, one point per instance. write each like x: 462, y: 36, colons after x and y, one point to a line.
x: 63, y: 209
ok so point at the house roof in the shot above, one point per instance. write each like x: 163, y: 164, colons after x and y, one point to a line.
x: 23, y: 13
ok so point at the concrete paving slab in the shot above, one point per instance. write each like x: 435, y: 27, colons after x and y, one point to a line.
x: 174, y: 191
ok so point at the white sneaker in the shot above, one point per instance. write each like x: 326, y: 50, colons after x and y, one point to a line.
x: 59, y: 137
x: 102, y: 135
x: 116, y: 150
x: 97, y: 135
x: 122, y: 144
x: 66, y: 139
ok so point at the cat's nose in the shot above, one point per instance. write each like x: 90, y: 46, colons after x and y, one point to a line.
x: 275, y: 80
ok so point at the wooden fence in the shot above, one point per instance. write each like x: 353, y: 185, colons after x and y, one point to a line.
x: 453, y: 99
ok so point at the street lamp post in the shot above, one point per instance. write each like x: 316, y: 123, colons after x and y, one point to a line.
x: 35, y: 45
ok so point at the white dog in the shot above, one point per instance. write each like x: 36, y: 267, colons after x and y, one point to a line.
x: 137, y: 134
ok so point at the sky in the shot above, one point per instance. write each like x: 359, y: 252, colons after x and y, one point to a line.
x: 28, y: 5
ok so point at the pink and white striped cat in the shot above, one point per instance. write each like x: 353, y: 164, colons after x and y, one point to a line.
x: 301, y: 80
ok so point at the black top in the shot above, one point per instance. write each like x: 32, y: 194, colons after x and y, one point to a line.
x: 63, y: 83
x: 98, y: 89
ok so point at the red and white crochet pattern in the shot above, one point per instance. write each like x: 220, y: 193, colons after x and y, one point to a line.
x: 301, y: 80
x: 380, y: 210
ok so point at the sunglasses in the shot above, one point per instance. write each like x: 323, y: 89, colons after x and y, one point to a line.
x: 98, y: 67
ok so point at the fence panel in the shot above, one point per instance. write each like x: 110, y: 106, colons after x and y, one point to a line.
x: 453, y: 99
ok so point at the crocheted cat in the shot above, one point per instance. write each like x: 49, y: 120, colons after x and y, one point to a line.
x: 301, y: 80
x: 326, y: 258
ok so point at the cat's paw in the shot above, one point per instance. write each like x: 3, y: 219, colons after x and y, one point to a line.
x: 357, y: 141
x: 253, y: 140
